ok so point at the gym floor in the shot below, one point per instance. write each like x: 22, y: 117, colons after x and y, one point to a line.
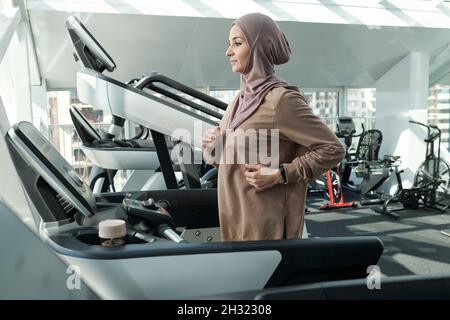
x: 413, y: 244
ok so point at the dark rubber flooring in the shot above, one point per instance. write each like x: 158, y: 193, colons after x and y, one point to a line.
x: 413, y: 243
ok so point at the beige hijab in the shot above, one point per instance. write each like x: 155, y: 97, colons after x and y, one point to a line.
x: 268, y: 47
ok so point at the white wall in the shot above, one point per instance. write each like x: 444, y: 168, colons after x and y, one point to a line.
x: 22, y: 73
x: 15, y: 86
x: 40, y: 109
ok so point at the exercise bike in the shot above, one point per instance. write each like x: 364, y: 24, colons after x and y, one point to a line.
x: 363, y: 162
x: 346, y: 131
x: 332, y: 178
x: 431, y: 180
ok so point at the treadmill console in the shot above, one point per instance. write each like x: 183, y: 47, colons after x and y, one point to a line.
x: 50, y: 173
x: 90, y: 53
x: 345, y: 126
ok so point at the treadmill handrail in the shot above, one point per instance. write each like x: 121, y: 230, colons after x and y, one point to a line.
x: 148, y: 82
x: 84, y: 75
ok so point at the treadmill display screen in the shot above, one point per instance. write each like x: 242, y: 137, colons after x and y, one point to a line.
x: 87, y: 49
x: 68, y: 181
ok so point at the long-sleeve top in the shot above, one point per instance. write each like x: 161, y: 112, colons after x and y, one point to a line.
x: 306, y: 148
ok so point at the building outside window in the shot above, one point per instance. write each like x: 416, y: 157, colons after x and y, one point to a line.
x: 361, y: 106
x: 324, y: 104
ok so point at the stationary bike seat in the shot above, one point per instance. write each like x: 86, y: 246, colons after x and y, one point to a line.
x: 390, y: 159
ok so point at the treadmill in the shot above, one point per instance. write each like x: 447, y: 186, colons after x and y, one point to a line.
x: 159, y: 116
x: 155, y: 102
x: 156, y: 262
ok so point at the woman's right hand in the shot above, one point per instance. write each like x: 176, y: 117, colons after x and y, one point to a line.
x: 210, y: 136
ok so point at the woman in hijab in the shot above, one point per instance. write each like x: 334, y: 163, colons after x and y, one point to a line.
x: 263, y: 201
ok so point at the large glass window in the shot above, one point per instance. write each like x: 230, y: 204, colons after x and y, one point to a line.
x: 225, y: 95
x: 361, y: 106
x: 324, y: 104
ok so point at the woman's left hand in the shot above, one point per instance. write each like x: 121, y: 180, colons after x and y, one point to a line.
x: 262, y: 177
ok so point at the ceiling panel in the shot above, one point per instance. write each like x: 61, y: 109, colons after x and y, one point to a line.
x: 192, y: 50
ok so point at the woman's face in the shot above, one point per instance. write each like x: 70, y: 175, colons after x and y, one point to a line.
x: 238, y: 49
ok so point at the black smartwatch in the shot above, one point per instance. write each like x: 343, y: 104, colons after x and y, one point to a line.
x: 283, y: 173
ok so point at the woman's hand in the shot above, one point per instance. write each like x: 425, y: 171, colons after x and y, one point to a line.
x: 262, y: 177
x: 209, y: 136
